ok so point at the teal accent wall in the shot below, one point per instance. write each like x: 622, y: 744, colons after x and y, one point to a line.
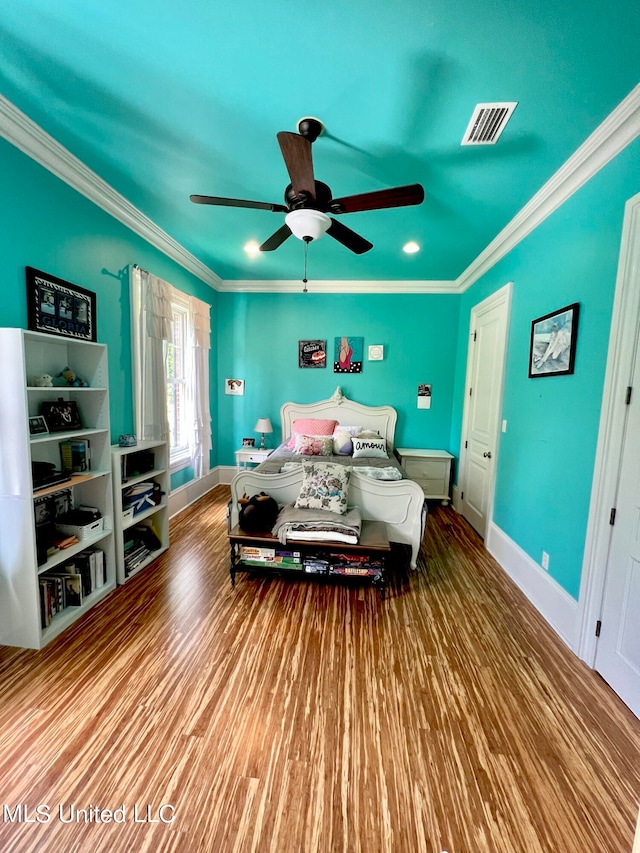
x: 47, y: 225
x: 258, y: 338
x: 546, y: 457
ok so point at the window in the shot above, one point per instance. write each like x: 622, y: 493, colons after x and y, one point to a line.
x: 170, y: 359
x: 177, y: 384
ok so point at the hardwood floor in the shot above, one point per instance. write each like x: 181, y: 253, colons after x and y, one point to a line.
x: 301, y: 716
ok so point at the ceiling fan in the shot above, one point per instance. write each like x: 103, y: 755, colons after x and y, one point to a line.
x: 309, y: 202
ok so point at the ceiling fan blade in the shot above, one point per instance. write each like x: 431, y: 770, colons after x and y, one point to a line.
x: 296, y: 151
x: 348, y: 238
x: 276, y: 239
x: 379, y: 199
x: 238, y: 202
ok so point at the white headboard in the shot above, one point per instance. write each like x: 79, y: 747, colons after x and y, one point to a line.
x: 338, y: 407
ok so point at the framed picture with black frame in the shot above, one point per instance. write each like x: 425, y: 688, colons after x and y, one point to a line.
x: 57, y: 307
x: 61, y: 415
x: 553, y: 343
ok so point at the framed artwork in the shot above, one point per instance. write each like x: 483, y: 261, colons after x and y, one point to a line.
x: 348, y: 355
x: 553, y: 343
x: 61, y: 415
x: 248, y: 442
x: 312, y: 353
x: 57, y: 307
x: 38, y: 425
x: 234, y: 386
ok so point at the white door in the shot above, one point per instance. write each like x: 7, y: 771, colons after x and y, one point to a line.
x: 483, y: 403
x: 618, y: 650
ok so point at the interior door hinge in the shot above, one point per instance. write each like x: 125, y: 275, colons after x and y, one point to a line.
x: 598, y: 627
x: 466, y: 444
x: 470, y: 390
x: 475, y: 335
x: 612, y: 515
x: 461, y: 495
x: 627, y: 399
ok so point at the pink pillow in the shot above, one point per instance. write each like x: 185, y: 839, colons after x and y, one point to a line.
x: 311, y: 426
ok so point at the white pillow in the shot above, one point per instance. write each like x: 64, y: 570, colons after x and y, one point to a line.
x: 369, y: 446
x: 342, y: 442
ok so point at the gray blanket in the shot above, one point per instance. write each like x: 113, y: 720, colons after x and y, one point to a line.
x: 317, y: 525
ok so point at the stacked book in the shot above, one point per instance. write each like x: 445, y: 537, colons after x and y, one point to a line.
x: 359, y: 565
x: 69, y: 584
x: 270, y: 558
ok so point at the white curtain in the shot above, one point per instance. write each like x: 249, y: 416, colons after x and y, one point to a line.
x: 151, y: 321
x: 200, y: 441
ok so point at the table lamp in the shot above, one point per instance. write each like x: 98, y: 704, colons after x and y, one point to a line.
x: 263, y: 425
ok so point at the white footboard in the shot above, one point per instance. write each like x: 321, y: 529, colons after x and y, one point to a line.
x: 399, y: 503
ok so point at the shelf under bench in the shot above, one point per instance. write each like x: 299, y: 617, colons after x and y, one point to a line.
x: 373, y: 541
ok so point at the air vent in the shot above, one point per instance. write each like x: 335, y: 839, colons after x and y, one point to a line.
x: 487, y: 123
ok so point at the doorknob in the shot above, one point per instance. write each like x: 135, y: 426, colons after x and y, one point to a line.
x: 487, y: 454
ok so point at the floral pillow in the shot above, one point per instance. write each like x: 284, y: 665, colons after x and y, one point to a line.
x: 314, y: 445
x: 324, y: 486
x: 311, y: 426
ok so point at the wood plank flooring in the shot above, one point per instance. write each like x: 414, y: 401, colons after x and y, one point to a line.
x: 304, y: 717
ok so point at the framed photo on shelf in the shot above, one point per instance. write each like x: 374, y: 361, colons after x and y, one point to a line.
x: 57, y: 307
x: 553, y: 343
x: 38, y: 425
x: 61, y: 415
x: 248, y: 442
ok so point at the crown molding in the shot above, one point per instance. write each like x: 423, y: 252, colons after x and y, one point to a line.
x: 18, y: 129
x: 344, y: 286
x: 618, y: 130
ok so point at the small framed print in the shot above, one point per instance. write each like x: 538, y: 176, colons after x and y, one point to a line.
x: 38, y: 425
x: 234, y: 386
x: 312, y: 353
x: 57, y: 307
x: 248, y: 442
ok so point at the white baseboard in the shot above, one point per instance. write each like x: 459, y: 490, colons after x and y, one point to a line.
x: 181, y: 497
x: 455, y: 499
x: 226, y: 473
x: 547, y: 596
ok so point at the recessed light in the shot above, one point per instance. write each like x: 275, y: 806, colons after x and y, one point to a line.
x: 411, y: 247
x: 251, y: 248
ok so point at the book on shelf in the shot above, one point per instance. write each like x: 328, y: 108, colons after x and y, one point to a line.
x: 75, y: 455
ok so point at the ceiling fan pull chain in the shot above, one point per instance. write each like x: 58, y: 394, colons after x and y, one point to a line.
x: 306, y: 255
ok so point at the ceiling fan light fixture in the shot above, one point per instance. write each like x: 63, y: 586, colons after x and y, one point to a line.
x: 307, y: 224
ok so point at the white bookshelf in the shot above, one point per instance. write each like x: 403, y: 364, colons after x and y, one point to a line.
x: 25, y: 354
x: 156, y: 517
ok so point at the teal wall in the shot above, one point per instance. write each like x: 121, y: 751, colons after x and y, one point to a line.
x: 258, y: 338
x: 546, y: 457
x: 47, y: 225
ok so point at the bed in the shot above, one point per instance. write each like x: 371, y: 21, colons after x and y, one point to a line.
x: 399, y: 503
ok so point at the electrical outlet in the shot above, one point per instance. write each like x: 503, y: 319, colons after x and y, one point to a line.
x: 545, y: 561
x: 504, y: 426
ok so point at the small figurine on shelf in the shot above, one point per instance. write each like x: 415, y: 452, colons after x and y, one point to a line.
x: 41, y: 381
x: 68, y: 377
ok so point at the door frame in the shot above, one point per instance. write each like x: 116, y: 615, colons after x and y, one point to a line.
x: 502, y: 296
x: 623, y: 339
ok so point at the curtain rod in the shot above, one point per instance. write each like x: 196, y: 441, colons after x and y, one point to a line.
x: 138, y: 267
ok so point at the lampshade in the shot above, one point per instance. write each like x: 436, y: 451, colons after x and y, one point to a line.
x: 307, y: 223
x: 263, y: 425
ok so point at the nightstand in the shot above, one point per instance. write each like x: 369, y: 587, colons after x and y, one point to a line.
x: 430, y: 469
x: 251, y: 454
